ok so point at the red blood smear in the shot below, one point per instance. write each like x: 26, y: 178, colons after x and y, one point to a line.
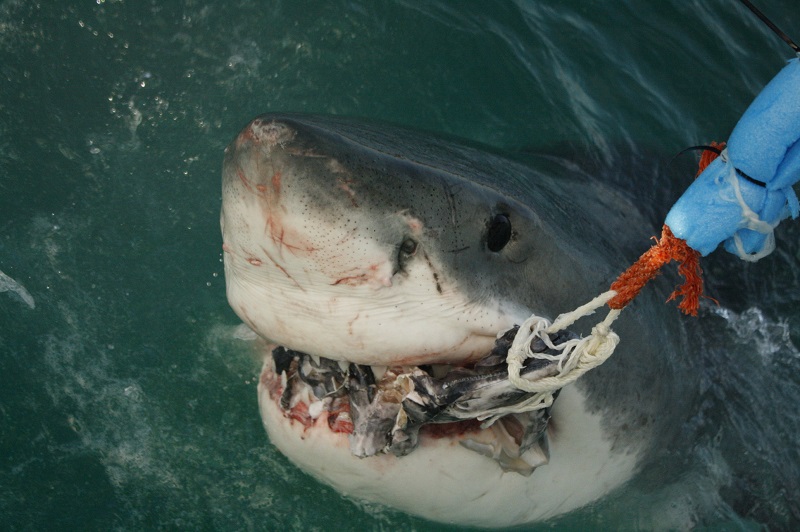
x: 343, y: 424
x: 299, y: 412
x: 450, y: 430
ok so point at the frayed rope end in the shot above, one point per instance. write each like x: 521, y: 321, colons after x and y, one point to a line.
x: 668, y: 248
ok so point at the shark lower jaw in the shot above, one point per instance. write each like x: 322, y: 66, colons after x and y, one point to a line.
x: 451, y: 462
x: 394, y: 410
x: 460, y: 473
x: 333, y: 416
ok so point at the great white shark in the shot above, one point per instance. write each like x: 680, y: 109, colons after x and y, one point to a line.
x: 390, y: 250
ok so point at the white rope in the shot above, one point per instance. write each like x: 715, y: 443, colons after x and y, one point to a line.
x: 580, y: 355
x: 750, y: 219
x: 576, y: 356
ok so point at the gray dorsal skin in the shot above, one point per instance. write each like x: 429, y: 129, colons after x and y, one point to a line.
x: 571, y: 236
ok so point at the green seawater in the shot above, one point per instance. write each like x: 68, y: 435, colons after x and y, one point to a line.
x: 126, y: 399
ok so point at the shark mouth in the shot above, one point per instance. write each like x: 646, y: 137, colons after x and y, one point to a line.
x: 390, y: 410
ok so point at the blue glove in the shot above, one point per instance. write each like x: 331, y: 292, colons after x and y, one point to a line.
x: 742, y: 195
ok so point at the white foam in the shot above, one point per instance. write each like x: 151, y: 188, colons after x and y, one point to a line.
x: 753, y: 327
x: 243, y: 332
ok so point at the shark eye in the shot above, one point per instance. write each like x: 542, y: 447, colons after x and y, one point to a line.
x: 408, y: 247
x: 406, y: 250
x: 499, y: 232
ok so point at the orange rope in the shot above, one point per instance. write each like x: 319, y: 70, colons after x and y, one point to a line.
x: 668, y: 248
x: 708, y: 156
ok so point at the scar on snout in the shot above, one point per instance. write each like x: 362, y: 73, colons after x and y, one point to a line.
x: 414, y: 224
x: 270, y: 133
x: 244, y: 180
x: 281, y: 268
x: 344, y: 184
x: 459, y: 250
x: 353, y: 280
x: 276, y: 182
x: 350, y: 324
x: 336, y: 167
x: 279, y: 238
x: 350, y: 234
x: 254, y: 261
x: 434, y: 272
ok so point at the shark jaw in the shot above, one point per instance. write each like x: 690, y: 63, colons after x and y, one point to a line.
x: 451, y: 476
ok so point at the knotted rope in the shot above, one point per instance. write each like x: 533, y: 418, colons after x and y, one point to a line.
x: 580, y: 355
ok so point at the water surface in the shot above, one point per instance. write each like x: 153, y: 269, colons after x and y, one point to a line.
x: 127, y: 400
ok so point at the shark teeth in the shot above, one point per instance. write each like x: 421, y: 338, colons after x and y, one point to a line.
x: 388, y: 407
